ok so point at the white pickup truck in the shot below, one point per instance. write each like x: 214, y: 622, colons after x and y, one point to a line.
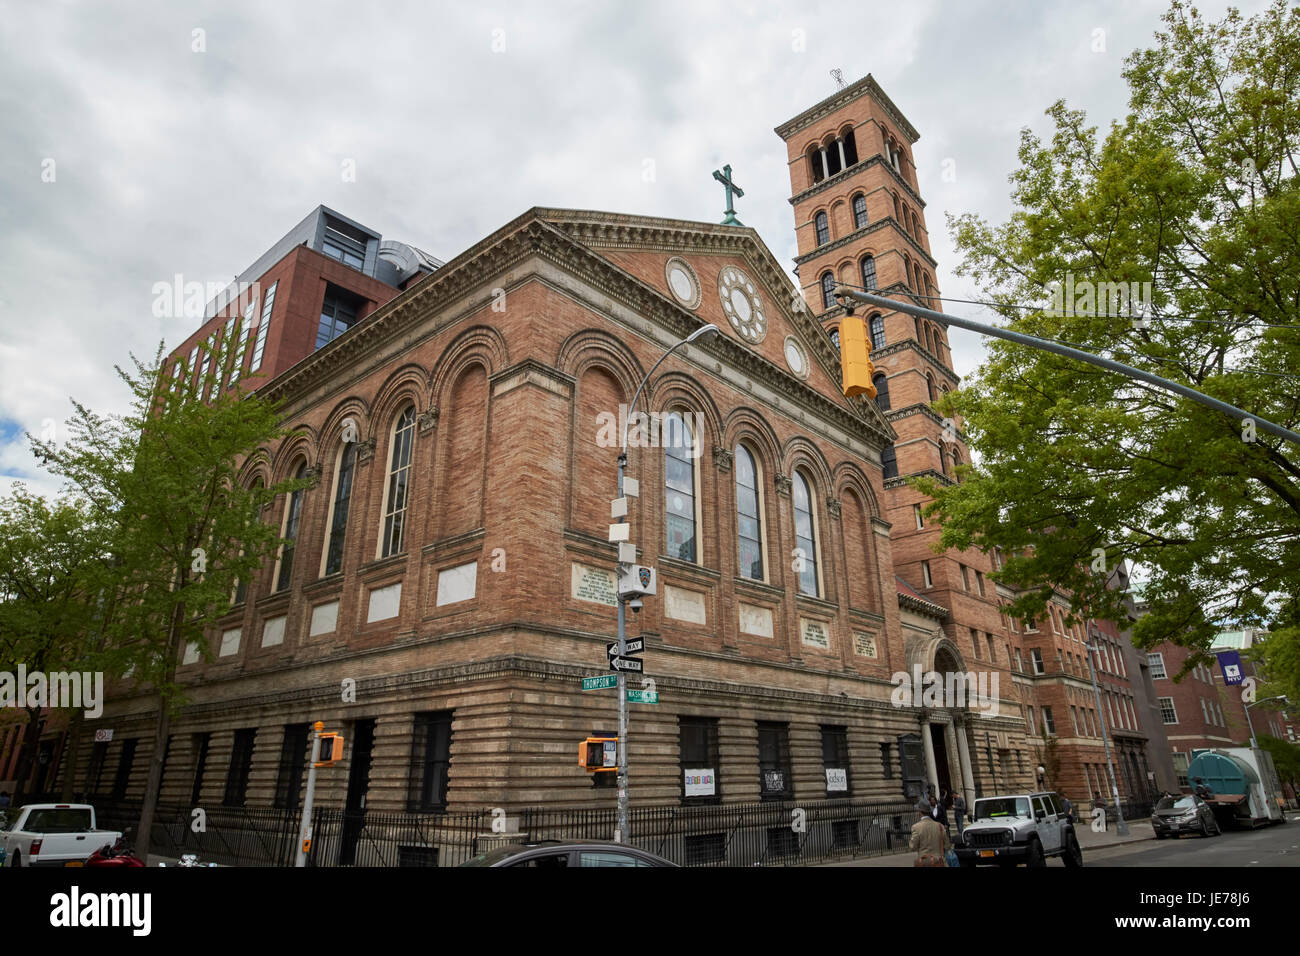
x: 52, y: 834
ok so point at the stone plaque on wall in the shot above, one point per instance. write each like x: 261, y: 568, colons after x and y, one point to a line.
x: 593, y: 584
x: 864, y: 644
x: 815, y: 633
x: 755, y: 620
x: 684, y: 605
x: 458, y: 583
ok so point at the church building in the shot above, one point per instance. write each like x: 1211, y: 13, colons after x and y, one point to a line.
x: 449, y: 580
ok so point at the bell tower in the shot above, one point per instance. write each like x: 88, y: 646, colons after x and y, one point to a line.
x: 860, y: 221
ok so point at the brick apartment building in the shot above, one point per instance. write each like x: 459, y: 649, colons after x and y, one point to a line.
x: 1199, y: 710
x: 451, y: 564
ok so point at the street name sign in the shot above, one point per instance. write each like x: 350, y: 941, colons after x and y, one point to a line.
x: 643, y: 697
x: 599, y: 683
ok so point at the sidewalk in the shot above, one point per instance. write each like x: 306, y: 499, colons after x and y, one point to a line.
x: 1138, y: 831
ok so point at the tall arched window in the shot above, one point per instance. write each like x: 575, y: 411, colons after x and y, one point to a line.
x: 680, y: 495
x: 859, y: 211
x: 881, y: 381
x: 815, y: 164
x: 889, y: 462
x: 929, y: 385
x: 749, y: 522
x: 877, y: 326
x: 805, y: 538
x: 869, y: 273
x: 835, y: 338
x: 828, y: 291
x: 344, y: 470
x: 398, y: 491
x: 850, y: 148
x: 898, y: 210
x: 292, y: 518
x: 241, y: 586
x: 907, y: 265
x: 823, y: 227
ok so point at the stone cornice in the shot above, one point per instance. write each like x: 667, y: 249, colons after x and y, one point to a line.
x: 568, y: 238
x: 593, y: 230
x: 907, y: 411
x: 865, y: 86
x: 865, y: 231
x: 905, y: 344
x: 928, y: 608
x: 844, y: 175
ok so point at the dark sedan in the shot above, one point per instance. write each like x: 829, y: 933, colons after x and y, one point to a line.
x: 567, y: 853
x: 1174, y: 816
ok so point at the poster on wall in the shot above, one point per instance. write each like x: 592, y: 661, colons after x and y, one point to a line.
x: 700, y: 782
x: 837, y: 779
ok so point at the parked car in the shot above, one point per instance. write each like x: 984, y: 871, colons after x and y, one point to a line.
x: 1175, y: 815
x: 53, y: 834
x: 1018, y: 828
x: 568, y: 853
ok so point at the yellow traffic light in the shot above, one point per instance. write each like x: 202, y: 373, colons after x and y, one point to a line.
x: 855, y: 358
x: 598, y: 754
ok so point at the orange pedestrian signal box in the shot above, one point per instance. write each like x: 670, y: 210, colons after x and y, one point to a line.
x: 329, y: 749
x: 598, y: 754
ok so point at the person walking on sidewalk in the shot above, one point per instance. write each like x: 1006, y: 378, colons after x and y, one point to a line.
x: 959, y: 812
x: 929, y: 838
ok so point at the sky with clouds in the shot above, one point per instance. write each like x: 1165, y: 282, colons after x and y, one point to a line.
x: 175, y: 151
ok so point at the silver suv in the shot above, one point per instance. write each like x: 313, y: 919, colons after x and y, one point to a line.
x: 1019, y: 828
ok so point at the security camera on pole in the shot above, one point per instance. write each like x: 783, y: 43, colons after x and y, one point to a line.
x: 634, y: 583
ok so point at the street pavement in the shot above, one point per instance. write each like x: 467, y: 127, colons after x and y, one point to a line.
x: 1277, y: 845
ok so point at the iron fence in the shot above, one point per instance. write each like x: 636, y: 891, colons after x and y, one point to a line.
x: 750, y: 834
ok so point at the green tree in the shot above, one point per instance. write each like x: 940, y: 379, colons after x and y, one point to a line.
x: 52, y: 558
x: 1286, y: 759
x: 1195, y: 192
x: 165, y: 478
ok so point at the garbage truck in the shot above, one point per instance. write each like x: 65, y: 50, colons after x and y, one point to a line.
x: 1245, y: 786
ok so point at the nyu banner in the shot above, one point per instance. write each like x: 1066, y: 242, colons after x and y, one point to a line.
x: 1230, y: 662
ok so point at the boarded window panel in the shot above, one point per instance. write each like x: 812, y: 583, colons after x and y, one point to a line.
x: 459, y: 504
x: 858, y: 542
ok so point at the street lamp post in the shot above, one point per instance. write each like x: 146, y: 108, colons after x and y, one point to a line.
x: 1121, y: 828
x: 620, y: 831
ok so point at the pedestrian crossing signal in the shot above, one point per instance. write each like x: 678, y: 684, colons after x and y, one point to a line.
x: 329, y: 749
x: 598, y: 754
x: 855, y: 358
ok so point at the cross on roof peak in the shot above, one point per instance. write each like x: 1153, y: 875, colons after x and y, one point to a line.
x: 724, y: 177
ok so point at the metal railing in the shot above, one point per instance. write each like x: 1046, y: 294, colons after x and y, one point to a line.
x: 750, y: 834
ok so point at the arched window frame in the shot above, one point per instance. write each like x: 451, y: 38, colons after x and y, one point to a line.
x: 240, y: 592
x: 811, y: 575
x: 673, y: 444
x: 290, y: 528
x: 822, y: 228
x: 342, y: 484
x: 876, y: 326
x: 397, y: 485
x: 881, y: 381
x: 868, y: 270
x: 889, y: 462
x: 860, y: 220
x: 744, y: 452
x: 827, y: 282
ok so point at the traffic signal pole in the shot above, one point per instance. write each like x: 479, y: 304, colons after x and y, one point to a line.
x: 304, y: 832
x: 1045, y: 345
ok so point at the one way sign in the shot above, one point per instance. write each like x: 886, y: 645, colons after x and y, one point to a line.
x: 625, y: 664
x: 633, y: 647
